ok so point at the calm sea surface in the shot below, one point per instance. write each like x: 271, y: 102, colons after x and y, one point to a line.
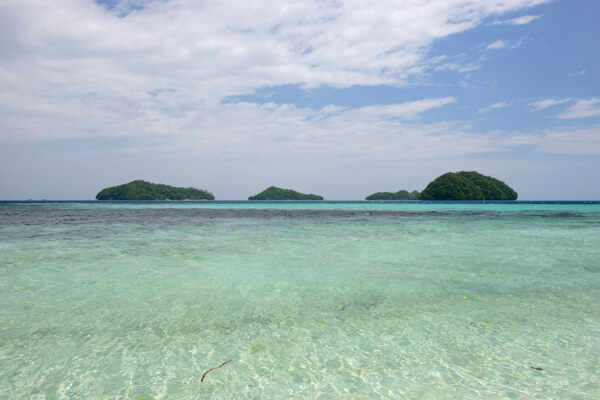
x: 328, y: 300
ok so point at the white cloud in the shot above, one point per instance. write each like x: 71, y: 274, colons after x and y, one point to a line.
x: 494, y: 106
x: 580, y: 73
x: 504, y: 44
x: 408, y: 111
x: 582, y: 109
x: 76, y: 69
x: 575, y: 142
x: 546, y: 103
x: 331, y: 109
x: 525, y: 19
x: 497, y: 45
x: 288, y: 134
x: 458, y: 67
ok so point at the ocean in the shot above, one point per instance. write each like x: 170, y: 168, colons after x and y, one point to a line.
x: 299, y: 300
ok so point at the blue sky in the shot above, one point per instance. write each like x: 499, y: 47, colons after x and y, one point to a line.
x: 337, y: 98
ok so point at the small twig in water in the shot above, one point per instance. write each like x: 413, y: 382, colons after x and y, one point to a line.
x: 214, y: 369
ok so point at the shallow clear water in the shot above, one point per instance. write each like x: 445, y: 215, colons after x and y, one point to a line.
x: 134, y: 301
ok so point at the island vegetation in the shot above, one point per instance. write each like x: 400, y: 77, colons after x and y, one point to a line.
x: 467, y: 185
x: 463, y: 185
x: 399, y: 195
x: 142, y: 190
x: 275, y: 193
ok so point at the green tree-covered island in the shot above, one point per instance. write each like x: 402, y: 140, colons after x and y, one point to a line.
x: 142, y: 190
x: 467, y: 185
x: 275, y: 193
x: 399, y: 195
x: 463, y: 185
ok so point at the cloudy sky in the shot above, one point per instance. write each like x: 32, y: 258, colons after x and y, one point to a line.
x: 339, y: 98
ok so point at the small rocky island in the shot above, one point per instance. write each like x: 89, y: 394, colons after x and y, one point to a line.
x: 275, y: 193
x: 142, y: 190
x: 467, y: 185
x: 399, y: 195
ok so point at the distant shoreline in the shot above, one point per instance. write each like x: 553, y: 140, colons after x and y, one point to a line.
x: 316, y: 202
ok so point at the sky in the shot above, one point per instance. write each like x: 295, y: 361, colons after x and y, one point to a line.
x: 337, y: 98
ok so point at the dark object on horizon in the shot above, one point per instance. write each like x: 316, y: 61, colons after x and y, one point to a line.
x: 142, y: 190
x: 275, y: 193
x: 467, y: 185
x: 399, y: 195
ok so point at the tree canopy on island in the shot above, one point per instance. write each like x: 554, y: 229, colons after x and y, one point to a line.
x: 142, y: 190
x: 467, y: 185
x: 399, y: 195
x: 275, y: 193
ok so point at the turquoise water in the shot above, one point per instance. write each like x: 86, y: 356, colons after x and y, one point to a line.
x: 357, y: 301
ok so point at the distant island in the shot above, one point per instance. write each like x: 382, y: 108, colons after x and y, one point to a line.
x: 142, y: 190
x: 275, y: 193
x: 463, y: 185
x: 399, y: 195
x: 467, y: 185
